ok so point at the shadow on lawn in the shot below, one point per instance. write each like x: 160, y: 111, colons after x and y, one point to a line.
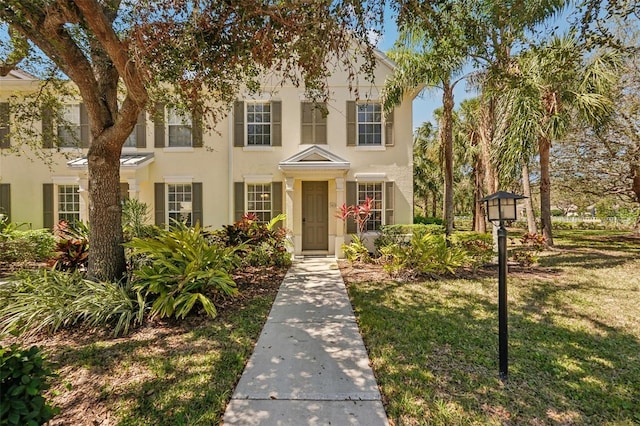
x: 438, y: 348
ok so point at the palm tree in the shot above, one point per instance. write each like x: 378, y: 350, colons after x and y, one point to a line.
x: 551, y: 86
x: 427, y: 170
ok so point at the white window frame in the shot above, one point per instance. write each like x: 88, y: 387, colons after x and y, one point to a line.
x: 252, y: 104
x: 369, y: 114
x: 265, y: 191
x: 361, y: 195
x: 70, y: 190
x: 70, y: 125
x: 176, y: 119
x: 185, y: 207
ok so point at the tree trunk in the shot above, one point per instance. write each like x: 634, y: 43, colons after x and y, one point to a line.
x: 479, y: 219
x: 434, y: 204
x: 106, y: 256
x: 528, y: 202
x: 447, y: 136
x: 544, y: 146
x: 635, y: 171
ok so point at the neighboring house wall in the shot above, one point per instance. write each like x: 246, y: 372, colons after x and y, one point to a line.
x: 275, y: 153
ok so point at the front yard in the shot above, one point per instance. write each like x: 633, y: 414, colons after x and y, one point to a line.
x: 574, y: 339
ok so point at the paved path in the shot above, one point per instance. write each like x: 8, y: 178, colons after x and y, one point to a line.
x: 309, y: 366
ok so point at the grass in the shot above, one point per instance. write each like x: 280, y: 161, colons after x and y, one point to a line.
x: 164, y: 373
x: 574, y: 340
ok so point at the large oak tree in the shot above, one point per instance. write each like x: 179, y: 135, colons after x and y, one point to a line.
x: 122, y: 55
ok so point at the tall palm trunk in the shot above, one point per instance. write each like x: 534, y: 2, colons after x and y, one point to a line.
x: 635, y: 170
x: 544, y: 146
x: 528, y: 202
x: 447, y: 136
x: 479, y: 221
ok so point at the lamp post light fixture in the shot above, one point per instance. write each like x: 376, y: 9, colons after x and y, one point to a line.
x: 501, y: 207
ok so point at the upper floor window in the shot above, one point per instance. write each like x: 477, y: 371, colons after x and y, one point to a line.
x: 69, y: 129
x: 176, y: 129
x: 138, y: 137
x: 313, y: 123
x: 179, y: 129
x: 369, y: 124
x: 257, y: 124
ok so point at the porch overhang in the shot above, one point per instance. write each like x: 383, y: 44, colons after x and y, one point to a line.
x: 314, y: 158
x: 127, y: 161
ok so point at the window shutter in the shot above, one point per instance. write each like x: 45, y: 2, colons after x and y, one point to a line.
x: 238, y: 200
x: 4, y: 125
x: 85, y: 135
x: 388, y: 129
x: 47, y: 127
x: 389, y: 198
x: 47, y: 203
x: 124, y: 191
x: 141, y: 131
x: 352, y: 200
x: 320, y: 114
x: 276, y: 201
x: 306, y: 123
x: 159, y: 128
x: 238, y: 124
x: 196, y: 129
x: 159, y: 206
x: 5, y: 200
x: 351, y: 123
x: 276, y: 123
x: 196, y: 206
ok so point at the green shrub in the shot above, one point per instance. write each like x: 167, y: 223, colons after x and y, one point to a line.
x: 26, y: 246
x: 421, y: 220
x: 426, y: 254
x: 183, y: 268
x: 477, y: 246
x: 46, y: 300
x: 135, y: 216
x: 24, y: 375
x: 72, y: 246
x: 356, y: 251
x: 258, y: 244
x: 392, y: 235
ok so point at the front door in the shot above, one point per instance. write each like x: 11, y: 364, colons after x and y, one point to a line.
x: 315, y: 216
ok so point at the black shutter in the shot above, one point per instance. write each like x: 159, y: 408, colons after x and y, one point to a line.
x: 306, y: 123
x: 276, y: 123
x: 276, y: 201
x: 388, y: 129
x: 320, y: 115
x: 141, y: 131
x: 85, y: 134
x: 4, y: 125
x: 47, y: 127
x: 196, y: 206
x: 351, y: 123
x: 389, y: 199
x: 124, y: 191
x: 238, y: 124
x: 238, y: 200
x: 159, y: 127
x: 47, y: 203
x: 5, y: 200
x: 352, y: 200
x: 196, y: 129
x: 159, y: 206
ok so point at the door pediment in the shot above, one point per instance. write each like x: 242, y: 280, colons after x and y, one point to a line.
x: 314, y: 158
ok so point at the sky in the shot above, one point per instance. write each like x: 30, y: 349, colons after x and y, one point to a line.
x: 431, y: 99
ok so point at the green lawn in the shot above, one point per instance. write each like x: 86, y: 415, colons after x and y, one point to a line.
x: 574, y: 340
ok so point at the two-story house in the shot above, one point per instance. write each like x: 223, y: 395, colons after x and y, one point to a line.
x: 275, y: 153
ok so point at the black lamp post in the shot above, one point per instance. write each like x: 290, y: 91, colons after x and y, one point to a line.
x: 501, y: 207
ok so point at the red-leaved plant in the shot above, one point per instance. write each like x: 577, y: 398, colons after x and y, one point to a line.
x: 361, y: 213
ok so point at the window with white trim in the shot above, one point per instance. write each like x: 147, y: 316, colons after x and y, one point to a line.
x: 179, y: 129
x: 374, y: 191
x: 369, y: 124
x: 180, y: 203
x: 259, y: 201
x: 69, y: 129
x: 258, y: 123
x: 68, y: 203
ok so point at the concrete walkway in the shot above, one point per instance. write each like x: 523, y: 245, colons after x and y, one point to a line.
x: 309, y: 366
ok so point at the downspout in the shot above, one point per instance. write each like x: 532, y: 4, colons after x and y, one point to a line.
x: 231, y: 211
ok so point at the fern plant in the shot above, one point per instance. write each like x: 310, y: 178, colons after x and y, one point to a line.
x: 183, y: 269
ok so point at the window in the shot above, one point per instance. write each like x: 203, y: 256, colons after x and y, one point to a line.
x: 69, y: 130
x: 313, y: 123
x: 259, y: 124
x: 372, y: 190
x: 179, y: 206
x: 68, y: 203
x: 369, y: 124
x: 259, y: 201
x: 179, y: 128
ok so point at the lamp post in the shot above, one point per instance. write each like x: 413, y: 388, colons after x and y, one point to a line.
x: 501, y: 207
